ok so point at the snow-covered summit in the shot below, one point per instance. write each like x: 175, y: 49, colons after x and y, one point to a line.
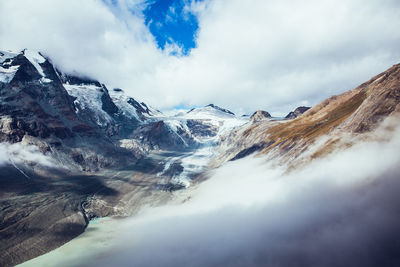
x: 8, y: 67
x: 210, y: 111
x: 36, y: 59
x: 205, y: 124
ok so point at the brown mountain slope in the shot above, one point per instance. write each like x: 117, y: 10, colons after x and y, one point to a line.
x: 350, y: 114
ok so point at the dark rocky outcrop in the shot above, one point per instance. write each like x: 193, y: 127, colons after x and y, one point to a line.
x: 141, y: 108
x: 297, y: 112
x: 75, y: 79
x: 107, y: 103
x: 158, y: 136
x: 260, y: 115
x: 199, y: 128
x: 251, y: 150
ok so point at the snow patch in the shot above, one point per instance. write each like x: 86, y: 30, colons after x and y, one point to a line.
x: 88, y: 97
x: 45, y: 80
x: 120, y: 99
x: 4, y: 55
x: 6, y: 75
x: 36, y: 59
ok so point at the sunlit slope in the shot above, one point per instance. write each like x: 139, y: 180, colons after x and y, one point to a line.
x: 351, y: 114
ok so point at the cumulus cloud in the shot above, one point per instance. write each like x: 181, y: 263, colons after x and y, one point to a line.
x: 273, y: 55
x: 338, y: 211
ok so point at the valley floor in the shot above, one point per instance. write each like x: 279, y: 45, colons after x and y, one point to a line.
x: 48, y: 210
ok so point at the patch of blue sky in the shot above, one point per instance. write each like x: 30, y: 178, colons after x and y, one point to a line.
x: 172, y: 25
x: 111, y: 2
x: 184, y: 107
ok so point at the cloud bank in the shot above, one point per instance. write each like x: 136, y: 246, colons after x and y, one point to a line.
x: 273, y: 55
x: 339, y: 211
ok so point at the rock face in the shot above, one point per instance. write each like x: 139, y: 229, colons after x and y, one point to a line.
x: 36, y: 108
x: 78, y: 119
x: 260, y: 115
x: 81, y: 123
x: 297, y: 112
x: 159, y: 136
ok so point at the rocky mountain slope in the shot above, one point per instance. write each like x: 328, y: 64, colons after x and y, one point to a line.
x: 39, y: 107
x: 337, y: 122
x: 70, y: 117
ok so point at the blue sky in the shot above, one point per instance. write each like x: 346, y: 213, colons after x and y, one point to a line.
x: 171, y: 23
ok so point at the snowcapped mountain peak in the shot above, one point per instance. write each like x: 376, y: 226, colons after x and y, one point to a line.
x: 220, y: 109
x: 10, y: 63
x: 36, y: 59
x: 209, y: 111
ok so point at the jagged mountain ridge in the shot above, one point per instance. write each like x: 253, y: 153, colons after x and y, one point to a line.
x: 37, y: 108
x: 212, y: 109
x: 69, y: 112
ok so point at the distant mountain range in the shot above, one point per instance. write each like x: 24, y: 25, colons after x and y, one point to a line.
x: 103, y: 145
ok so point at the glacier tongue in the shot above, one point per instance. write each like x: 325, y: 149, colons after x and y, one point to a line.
x: 206, y: 126
x: 6, y: 75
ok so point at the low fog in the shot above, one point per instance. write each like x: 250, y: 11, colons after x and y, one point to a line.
x: 342, y: 210
x: 23, y: 154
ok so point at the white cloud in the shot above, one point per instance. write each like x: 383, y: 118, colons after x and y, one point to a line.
x: 23, y: 154
x: 273, y: 55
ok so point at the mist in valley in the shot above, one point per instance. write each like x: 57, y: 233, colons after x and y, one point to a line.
x: 341, y: 210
